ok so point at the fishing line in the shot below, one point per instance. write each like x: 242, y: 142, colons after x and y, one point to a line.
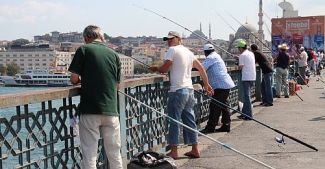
x: 196, y: 131
x: 198, y: 35
x: 276, y: 130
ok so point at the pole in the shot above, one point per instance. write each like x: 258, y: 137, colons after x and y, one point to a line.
x: 218, y: 103
x: 200, y: 36
x: 196, y: 131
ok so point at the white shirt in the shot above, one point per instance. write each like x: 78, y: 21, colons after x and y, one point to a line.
x: 303, y: 59
x: 181, y: 69
x: 247, y: 60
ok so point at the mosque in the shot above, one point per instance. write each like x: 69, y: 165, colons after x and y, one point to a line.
x: 246, y: 31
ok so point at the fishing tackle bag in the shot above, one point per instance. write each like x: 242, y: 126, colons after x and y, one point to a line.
x: 151, y: 160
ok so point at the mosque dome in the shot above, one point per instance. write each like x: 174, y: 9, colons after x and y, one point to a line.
x: 246, y: 28
x: 195, y: 34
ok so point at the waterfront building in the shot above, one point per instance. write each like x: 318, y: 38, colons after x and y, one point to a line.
x: 127, y: 65
x: 39, y: 56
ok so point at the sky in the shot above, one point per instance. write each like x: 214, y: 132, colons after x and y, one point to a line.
x: 26, y: 18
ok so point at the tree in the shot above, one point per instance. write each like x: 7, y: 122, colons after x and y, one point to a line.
x: 139, y: 69
x: 3, y: 70
x: 19, y: 42
x: 12, y: 69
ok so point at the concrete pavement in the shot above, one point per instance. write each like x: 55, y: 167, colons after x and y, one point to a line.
x: 304, y: 120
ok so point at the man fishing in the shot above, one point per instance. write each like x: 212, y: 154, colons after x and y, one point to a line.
x: 179, y: 62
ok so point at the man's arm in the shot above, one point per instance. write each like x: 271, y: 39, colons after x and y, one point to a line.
x: 75, y: 78
x: 203, y: 74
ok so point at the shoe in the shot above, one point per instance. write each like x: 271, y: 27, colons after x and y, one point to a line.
x: 268, y: 104
x: 262, y: 103
x: 207, y: 131
x: 244, y: 117
x: 278, y: 96
x: 286, y: 96
x: 224, y: 128
x: 247, y: 118
x: 241, y: 116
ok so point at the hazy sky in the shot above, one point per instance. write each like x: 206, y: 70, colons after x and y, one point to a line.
x: 26, y: 18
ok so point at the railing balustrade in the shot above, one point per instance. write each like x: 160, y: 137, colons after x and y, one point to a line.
x: 35, y: 129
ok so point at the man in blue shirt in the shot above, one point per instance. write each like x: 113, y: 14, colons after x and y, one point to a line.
x: 221, y: 82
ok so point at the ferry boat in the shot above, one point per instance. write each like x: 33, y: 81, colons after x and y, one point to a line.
x: 36, y: 78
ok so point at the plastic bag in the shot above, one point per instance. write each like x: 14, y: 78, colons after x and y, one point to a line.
x: 151, y: 160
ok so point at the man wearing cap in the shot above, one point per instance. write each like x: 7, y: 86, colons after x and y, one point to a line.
x: 221, y: 82
x: 248, y: 71
x: 302, y: 66
x: 179, y: 62
x: 267, y: 71
x: 281, y: 67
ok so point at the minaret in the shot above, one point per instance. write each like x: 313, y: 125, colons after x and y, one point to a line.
x: 210, y: 31
x: 260, y: 23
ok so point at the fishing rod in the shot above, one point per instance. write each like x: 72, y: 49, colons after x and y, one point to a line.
x: 218, y: 103
x: 196, y: 131
x: 139, y: 61
x: 198, y: 35
x: 295, y: 91
x: 250, y: 32
x: 299, y: 75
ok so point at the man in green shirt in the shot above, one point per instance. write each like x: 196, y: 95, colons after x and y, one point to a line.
x: 98, y: 70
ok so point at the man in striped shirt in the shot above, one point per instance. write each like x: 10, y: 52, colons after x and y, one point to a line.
x: 221, y: 82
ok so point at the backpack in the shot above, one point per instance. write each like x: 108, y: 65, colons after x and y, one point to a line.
x: 151, y: 160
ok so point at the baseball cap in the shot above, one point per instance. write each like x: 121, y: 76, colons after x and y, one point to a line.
x: 302, y: 48
x: 283, y: 46
x: 208, y: 47
x: 240, y: 43
x: 172, y: 34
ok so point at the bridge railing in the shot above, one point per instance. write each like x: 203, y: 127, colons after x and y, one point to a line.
x: 35, y: 129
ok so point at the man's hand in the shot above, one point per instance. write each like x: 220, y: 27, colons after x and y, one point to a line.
x: 209, y: 89
x: 153, y: 68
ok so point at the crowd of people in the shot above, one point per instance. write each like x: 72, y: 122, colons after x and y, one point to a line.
x: 94, y: 62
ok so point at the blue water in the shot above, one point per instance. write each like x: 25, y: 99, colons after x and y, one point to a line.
x: 7, y: 90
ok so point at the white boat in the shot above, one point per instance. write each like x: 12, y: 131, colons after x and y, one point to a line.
x: 38, y: 78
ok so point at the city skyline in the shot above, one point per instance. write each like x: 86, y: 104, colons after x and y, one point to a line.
x: 27, y: 18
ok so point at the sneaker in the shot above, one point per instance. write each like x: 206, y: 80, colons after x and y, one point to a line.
x: 207, y: 131
x: 286, y: 96
x: 278, y: 96
x: 224, y: 128
x: 268, y: 104
x: 262, y: 104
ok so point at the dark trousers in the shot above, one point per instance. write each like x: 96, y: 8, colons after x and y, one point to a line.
x: 216, y: 108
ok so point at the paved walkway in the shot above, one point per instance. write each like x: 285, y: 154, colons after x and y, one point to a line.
x: 304, y: 120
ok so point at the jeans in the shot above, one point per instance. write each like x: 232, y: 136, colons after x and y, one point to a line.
x: 91, y: 126
x: 266, y: 88
x: 281, y: 78
x: 302, y: 77
x: 247, y: 105
x: 180, y: 106
x: 216, y: 109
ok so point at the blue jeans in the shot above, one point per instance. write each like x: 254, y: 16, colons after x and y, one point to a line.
x: 247, y: 107
x: 180, y: 106
x: 266, y: 88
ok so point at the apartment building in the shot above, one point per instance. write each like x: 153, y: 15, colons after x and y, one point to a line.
x: 37, y: 58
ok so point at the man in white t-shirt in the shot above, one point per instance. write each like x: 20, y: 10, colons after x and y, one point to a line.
x: 248, y: 70
x: 179, y: 62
